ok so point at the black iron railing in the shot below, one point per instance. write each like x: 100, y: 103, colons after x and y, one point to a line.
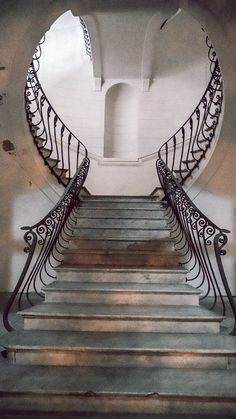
x: 46, y: 241
x: 185, y: 150
x: 199, y: 241
x: 87, y: 42
x: 61, y: 150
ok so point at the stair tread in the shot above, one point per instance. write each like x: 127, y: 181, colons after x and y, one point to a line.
x: 121, y: 198
x: 121, y: 311
x: 121, y: 205
x: 121, y: 341
x: 110, y: 244
x: 125, y: 228
x: 127, y: 252
x: 67, y: 286
x: 121, y: 213
x: 117, y: 381
x: 172, y: 268
x: 144, y: 269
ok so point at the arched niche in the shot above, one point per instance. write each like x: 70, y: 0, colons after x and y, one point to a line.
x: 121, y: 122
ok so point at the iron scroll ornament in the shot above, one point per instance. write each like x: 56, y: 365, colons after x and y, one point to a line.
x: 199, y: 241
x: 45, y: 242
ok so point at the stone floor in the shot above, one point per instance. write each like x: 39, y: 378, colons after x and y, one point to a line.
x: 225, y: 328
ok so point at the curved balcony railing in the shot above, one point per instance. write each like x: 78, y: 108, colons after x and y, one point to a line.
x: 184, y: 151
x: 45, y: 242
x: 61, y: 150
x: 199, y: 241
x: 87, y: 42
x: 47, y: 239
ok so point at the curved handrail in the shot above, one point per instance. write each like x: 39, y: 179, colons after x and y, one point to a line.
x: 87, y: 42
x: 47, y: 239
x: 197, y: 238
x: 61, y: 150
x: 45, y: 242
x: 183, y: 157
x: 199, y: 241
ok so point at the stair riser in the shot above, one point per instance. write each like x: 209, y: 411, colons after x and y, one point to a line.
x: 120, y: 213
x: 120, y: 198
x: 126, y: 223
x: 119, y: 276
x: 88, y: 358
x: 121, y: 259
x: 117, y: 403
x: 120, y: 325
x: 124, y: 234
x: 158, y: 246
x: 120, y: 298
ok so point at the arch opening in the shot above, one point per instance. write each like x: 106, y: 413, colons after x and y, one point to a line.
x: 121, y: 122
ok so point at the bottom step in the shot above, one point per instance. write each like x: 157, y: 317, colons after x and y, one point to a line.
x: 128, y: 390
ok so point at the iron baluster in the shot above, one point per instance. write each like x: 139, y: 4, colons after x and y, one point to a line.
x: 204, y: 240
x: 45, y: 242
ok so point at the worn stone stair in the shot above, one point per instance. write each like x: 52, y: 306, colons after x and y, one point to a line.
x: 120, y: 330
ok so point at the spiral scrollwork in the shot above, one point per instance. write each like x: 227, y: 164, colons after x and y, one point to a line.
x: 201, y: 127
x: 202, y: 240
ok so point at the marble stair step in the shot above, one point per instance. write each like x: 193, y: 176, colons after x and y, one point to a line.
x: 136, y: 245
x: 121, y: 258
x: 120, y: 213
x: 115, y: 389
x: 121, y: 293
x: 180, y: 350
x: 121, y: 198
x: 122, y: 233
x: 131, y: 223
x: 131, y: 275
x: 121, y: 318
x: 115, y: 204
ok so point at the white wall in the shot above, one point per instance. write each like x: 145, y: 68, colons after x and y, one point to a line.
x: 178, y: 78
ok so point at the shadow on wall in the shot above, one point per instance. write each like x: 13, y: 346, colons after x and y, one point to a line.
x: 170, y: 57
x: 217, y: 199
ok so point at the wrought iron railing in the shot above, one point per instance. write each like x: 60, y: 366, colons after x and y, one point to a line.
x: 87, y: 42
x: 199, y: 241
x: 61, y: 150
x: 185, y: 150
x: 46, y: 241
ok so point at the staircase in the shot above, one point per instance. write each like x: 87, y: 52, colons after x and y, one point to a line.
x: 120, y: 331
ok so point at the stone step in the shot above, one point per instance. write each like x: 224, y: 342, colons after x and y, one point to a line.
x: 128, y: 205
x: 137, y: 275
x: 180, y: 350
x: 120, y: 213
x: 121, y: 198
x: 121, y: 258
x: 122, y: 233
x: 121, y: 293
x: 88, y: 244
x: 120, y: 224
x: 115, y: 389
x: 120, y: 318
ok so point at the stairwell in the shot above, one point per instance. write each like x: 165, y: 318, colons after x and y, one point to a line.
x: 120, y: 330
